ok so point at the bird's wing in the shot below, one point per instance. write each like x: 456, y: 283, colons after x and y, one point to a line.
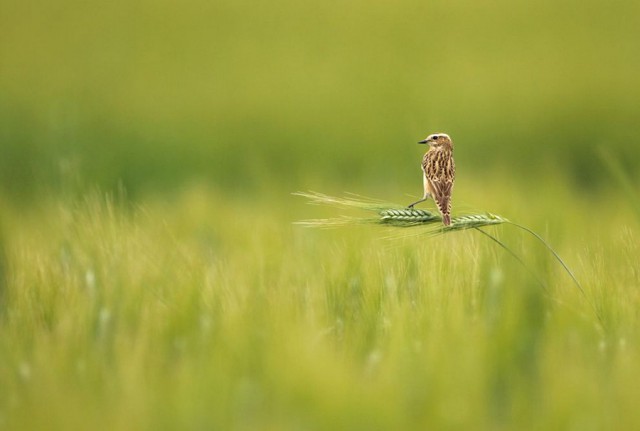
x: 441, y: 192
x: 440, y: 173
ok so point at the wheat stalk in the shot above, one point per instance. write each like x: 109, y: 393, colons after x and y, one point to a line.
x: 391, y: 214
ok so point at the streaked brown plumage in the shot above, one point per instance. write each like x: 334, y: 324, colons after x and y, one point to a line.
x: 439, y: 173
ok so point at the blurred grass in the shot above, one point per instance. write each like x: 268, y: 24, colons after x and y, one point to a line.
x: 201, y: 311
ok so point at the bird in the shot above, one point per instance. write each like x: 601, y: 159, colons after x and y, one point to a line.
x: 439, y: 173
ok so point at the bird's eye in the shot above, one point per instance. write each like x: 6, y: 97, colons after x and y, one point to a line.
x: 434, y: 137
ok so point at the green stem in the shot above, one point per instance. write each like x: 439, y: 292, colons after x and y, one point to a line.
x: 515, y: 256
x: 566, y: 268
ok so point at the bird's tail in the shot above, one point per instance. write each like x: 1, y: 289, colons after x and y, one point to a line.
x: 446, y: 219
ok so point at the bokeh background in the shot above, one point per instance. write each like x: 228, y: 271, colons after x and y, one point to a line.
x: 248, y: 95
x: 151, y: 276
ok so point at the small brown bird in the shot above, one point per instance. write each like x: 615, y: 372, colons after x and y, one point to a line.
x: 439, y: 173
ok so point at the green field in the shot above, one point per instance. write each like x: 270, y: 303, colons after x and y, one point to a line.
x: 152, y: 275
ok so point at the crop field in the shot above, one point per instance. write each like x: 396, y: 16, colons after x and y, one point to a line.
x: 154, y: 273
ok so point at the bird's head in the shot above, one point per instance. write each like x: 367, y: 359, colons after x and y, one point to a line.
x: 437, y: 140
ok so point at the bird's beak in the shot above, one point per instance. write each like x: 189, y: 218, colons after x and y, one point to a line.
x: 424, y: 141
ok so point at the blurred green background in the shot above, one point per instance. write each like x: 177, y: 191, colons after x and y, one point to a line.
x: 287, y: 95
x: 150, y: 273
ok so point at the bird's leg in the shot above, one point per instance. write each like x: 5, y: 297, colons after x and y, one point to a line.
x: 417, y: 202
